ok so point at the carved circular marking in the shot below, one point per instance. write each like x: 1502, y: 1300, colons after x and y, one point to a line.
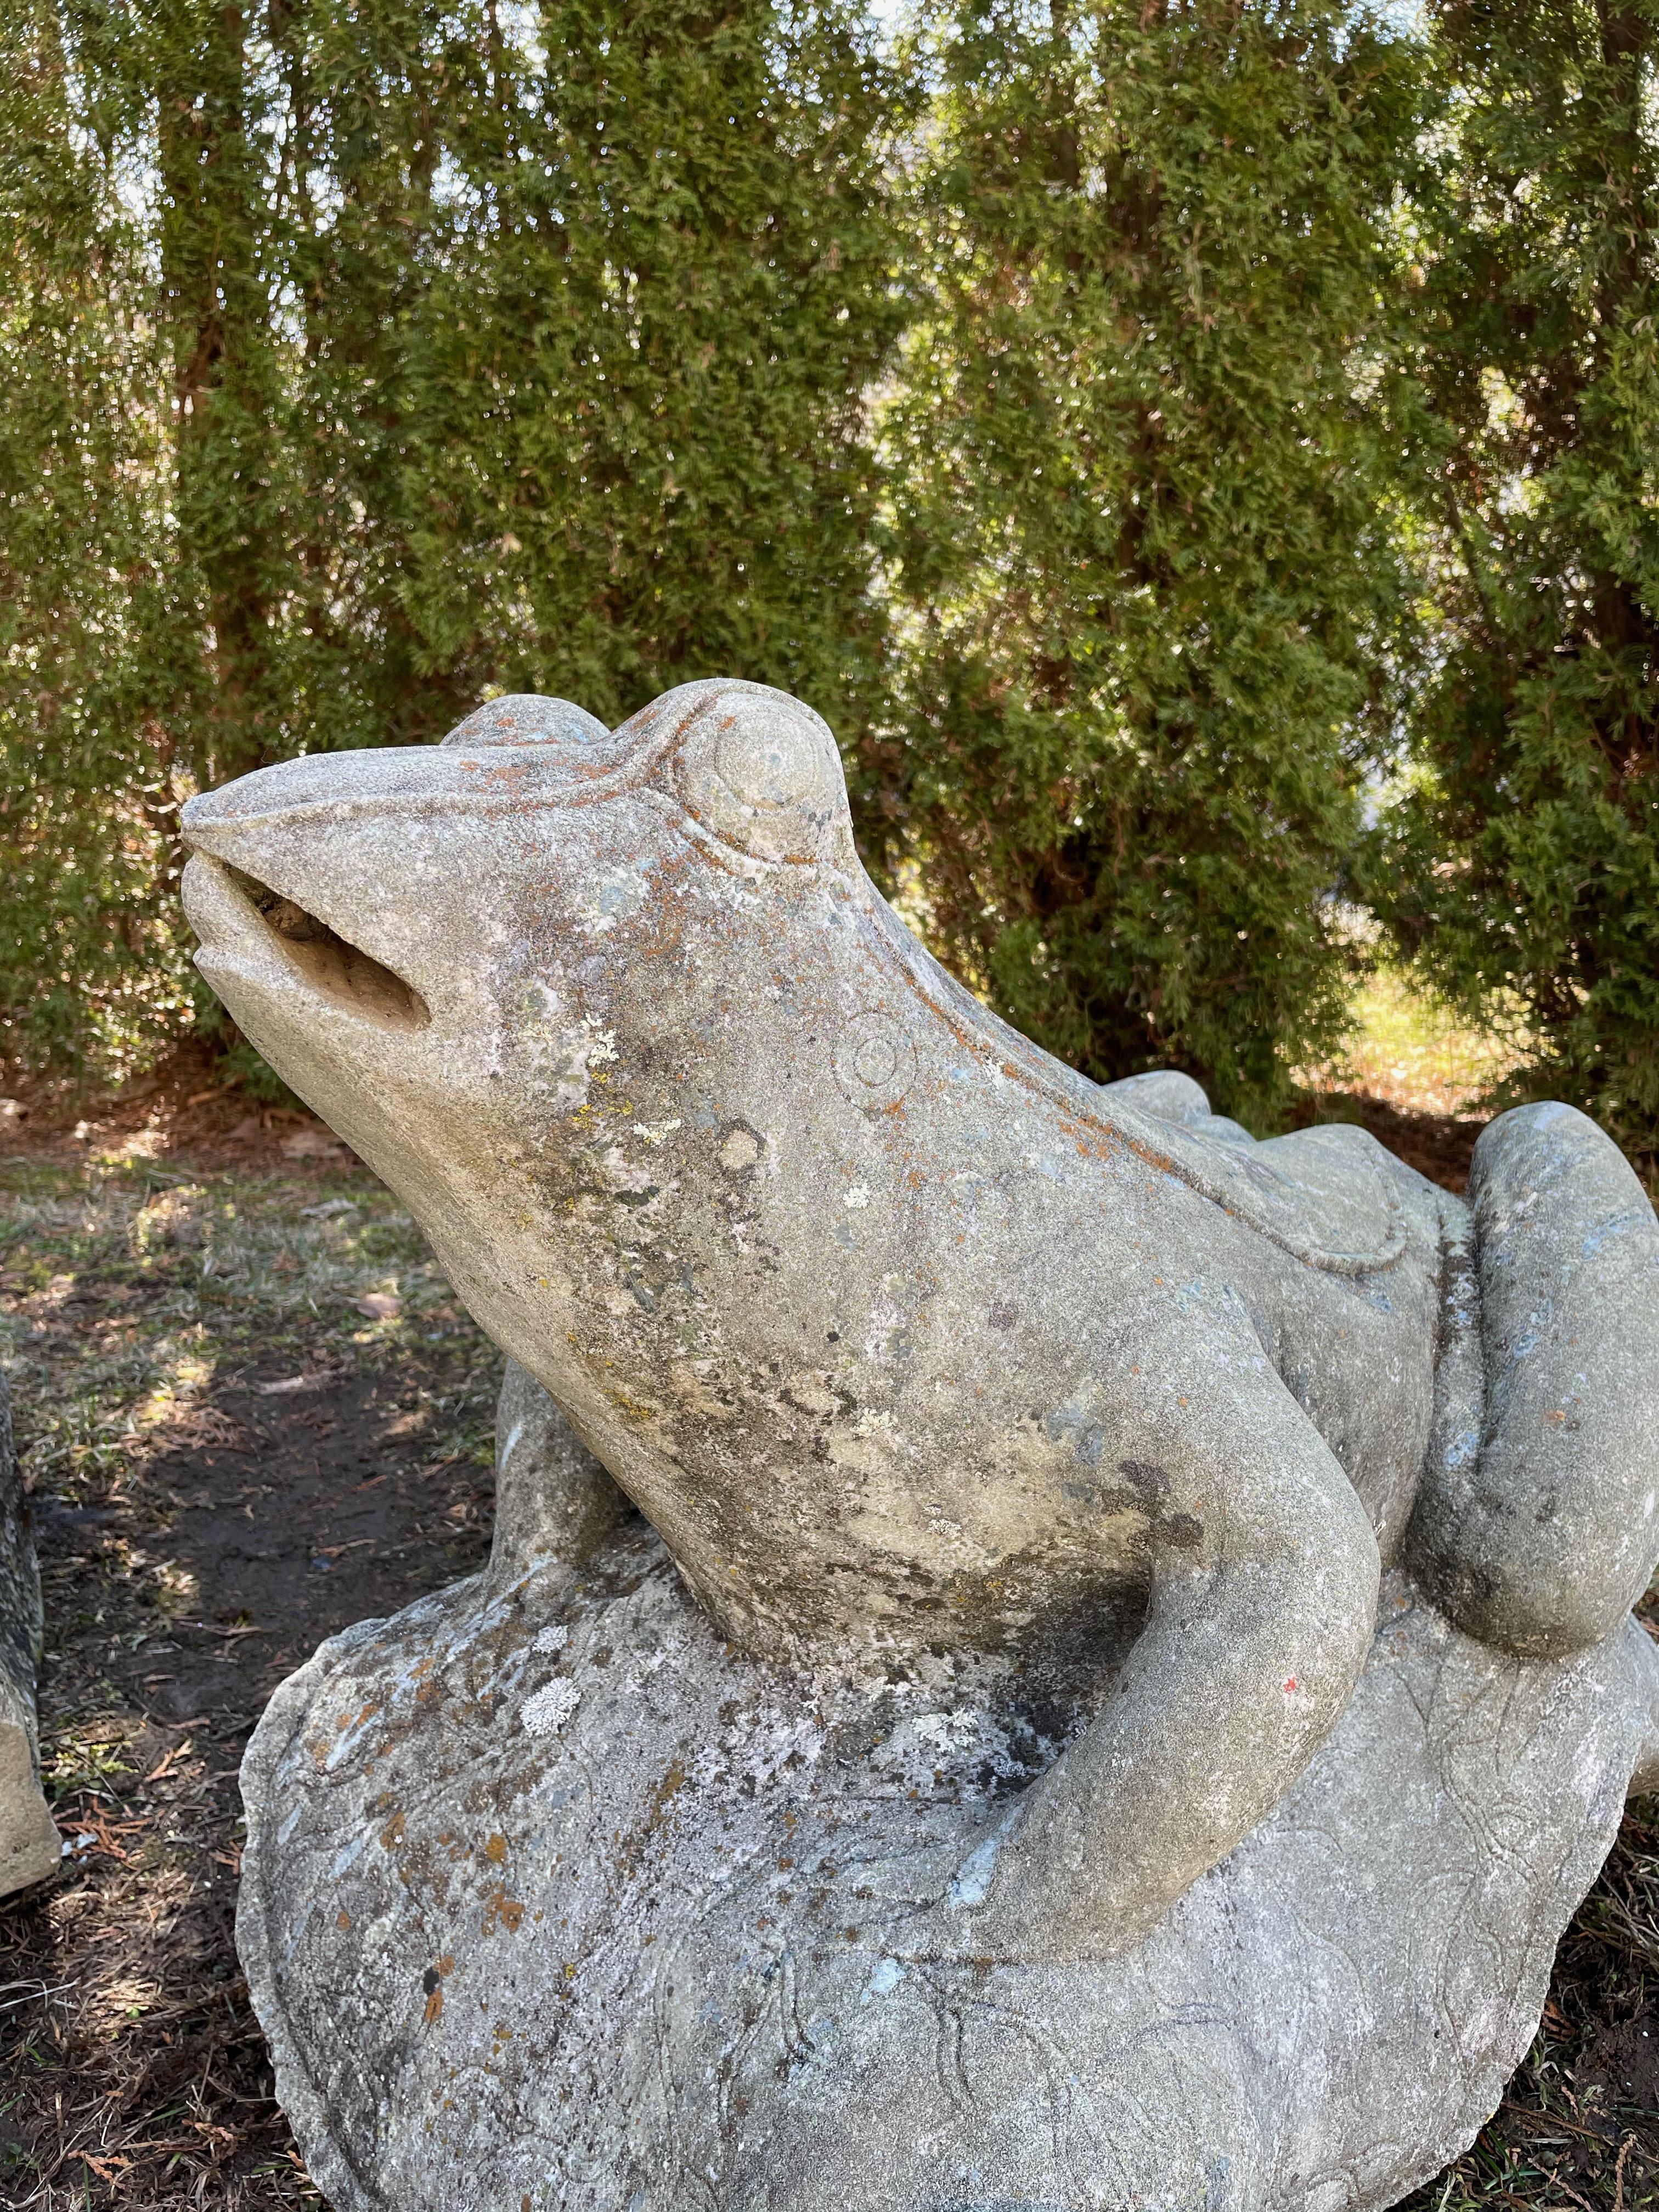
x: 875, y: 1061
x: 740, y: 1150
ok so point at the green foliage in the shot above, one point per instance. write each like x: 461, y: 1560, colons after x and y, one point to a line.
x: 1523, y: 854
x: 87, y: 950
x: 1132, y: 423
x: 636, y: 409
x: 1140, y: 521
x: 362, y: 357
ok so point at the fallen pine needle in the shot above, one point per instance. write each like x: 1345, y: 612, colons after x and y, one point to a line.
x: 159, y: 1773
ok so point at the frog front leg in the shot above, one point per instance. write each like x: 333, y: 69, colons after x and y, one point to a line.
x: 1264, y: 1575
x: 554, y: 1501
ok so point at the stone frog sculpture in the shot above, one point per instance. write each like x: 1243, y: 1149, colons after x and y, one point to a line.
x: 912, y: 1343
x: 942, y: 1374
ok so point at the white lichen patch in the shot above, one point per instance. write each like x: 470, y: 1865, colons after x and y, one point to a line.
x: 655, y: 1133
x: 612, y: 899
x: 967, y: 1751
x: 560, y: 1055
x: 622, y: 1174
x: 547, y: 1711
x: 759, y: 1743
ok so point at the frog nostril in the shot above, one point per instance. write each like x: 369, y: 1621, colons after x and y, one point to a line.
x: 334, y: 967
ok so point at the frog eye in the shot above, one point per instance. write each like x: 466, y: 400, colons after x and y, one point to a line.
x: 768, y: 767
x: 763, y: 772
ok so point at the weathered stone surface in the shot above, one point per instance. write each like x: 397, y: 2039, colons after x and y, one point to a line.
x: 553, y: 1899
x: 1069, y: 1422
x: 1539, y: 1529
x: 553, y: 1499
x: 28, y: 1840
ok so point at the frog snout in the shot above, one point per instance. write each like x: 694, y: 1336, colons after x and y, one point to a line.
x: 234, y: 912
x: 298, y: 889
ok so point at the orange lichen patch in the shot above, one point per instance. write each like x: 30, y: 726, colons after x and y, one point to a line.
x: 630, y: 1408
x: 629, y: 1846
x: 343, y: 1921
x: 501, y: 1910
x: 392, y: 1835
x: 432, y: 1983
x: 495, y: 1851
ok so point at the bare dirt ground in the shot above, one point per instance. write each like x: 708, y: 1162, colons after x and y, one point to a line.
x: 252, y: 1413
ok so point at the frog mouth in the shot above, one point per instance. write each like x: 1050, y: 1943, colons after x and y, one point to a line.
x: 329, y: 965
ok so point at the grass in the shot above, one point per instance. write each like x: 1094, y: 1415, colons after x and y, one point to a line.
x: 139, y: 1303
x: 1414, y: 1055
x: 130, y: 1289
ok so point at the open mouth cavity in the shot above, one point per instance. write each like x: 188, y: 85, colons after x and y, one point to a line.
x: 330, y: 965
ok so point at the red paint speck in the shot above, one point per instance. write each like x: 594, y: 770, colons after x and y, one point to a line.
x: 1290, y: 1683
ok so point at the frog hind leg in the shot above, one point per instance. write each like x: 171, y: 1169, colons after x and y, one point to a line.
x: 1536, y: 1526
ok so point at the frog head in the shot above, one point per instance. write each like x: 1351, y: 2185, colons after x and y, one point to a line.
x: 436, y: 939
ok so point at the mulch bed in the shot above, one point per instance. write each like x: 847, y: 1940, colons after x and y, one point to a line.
x: 326, y: 1472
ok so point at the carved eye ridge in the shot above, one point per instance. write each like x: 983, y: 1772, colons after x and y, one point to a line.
x: 756, y: 768
x: 528, y: 718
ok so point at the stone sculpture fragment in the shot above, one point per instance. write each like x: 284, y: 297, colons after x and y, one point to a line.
x: 29, y: 1845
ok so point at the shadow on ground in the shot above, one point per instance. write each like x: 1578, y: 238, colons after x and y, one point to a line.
x: 251, y: 1414
x: 308, y: 1511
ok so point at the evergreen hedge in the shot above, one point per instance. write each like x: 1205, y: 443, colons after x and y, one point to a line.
x: 1519, y: 867
x: 362, y: 356
x: 1199, y: 453
x: 1140, y: 533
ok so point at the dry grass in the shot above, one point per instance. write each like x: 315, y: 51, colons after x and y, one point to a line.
x: 188, y: 1536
